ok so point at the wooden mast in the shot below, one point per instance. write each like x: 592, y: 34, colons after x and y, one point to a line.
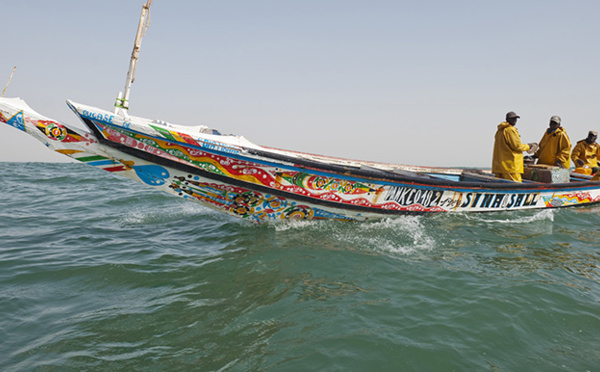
x: 8, y: 82
x: 122, y: 103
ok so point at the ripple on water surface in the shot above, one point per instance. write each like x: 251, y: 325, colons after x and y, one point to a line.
x: 98, y: 273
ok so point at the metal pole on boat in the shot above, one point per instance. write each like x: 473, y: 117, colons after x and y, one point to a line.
x: 8, y: 82
x: 122, y: 103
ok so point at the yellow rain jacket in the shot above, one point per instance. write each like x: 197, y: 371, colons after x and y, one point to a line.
x: 590, y: 154
x: 508, y: 150
x: 555, y: 146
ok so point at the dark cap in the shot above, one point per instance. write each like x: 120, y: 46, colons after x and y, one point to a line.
x: 512, y: 114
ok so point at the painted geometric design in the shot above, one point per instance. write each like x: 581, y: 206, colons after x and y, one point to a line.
x: 569, y: 199
x: 320, y: 187
x: 247, y: 204
x: 17, y: 121
x: 58, y: 132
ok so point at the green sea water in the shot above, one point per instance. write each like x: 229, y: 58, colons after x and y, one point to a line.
x: 101, y: 274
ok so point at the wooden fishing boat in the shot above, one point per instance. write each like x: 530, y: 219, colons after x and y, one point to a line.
x: 238, y: 177
x: 258, y: 183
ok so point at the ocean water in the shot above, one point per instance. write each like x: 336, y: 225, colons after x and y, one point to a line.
x: 98, y: 273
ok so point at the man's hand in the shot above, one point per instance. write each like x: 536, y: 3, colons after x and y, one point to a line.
x: 533, y: 147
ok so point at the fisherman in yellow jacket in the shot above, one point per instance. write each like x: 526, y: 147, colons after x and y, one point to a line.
x: 507, y: 161
x: 587, y: 152
x: 555, y: 146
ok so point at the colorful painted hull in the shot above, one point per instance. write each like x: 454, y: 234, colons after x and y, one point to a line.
x: 238, y: 177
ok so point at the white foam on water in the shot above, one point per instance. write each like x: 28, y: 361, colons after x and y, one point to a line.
x: 541, y: 215
x: 156, y: 214
x: 402, y: 235
x: 286, y: 225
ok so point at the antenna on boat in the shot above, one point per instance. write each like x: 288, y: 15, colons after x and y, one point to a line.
x: 8, y: 82
x: 122, y: 103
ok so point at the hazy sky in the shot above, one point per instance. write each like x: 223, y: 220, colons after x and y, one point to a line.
x: 411, y: 82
